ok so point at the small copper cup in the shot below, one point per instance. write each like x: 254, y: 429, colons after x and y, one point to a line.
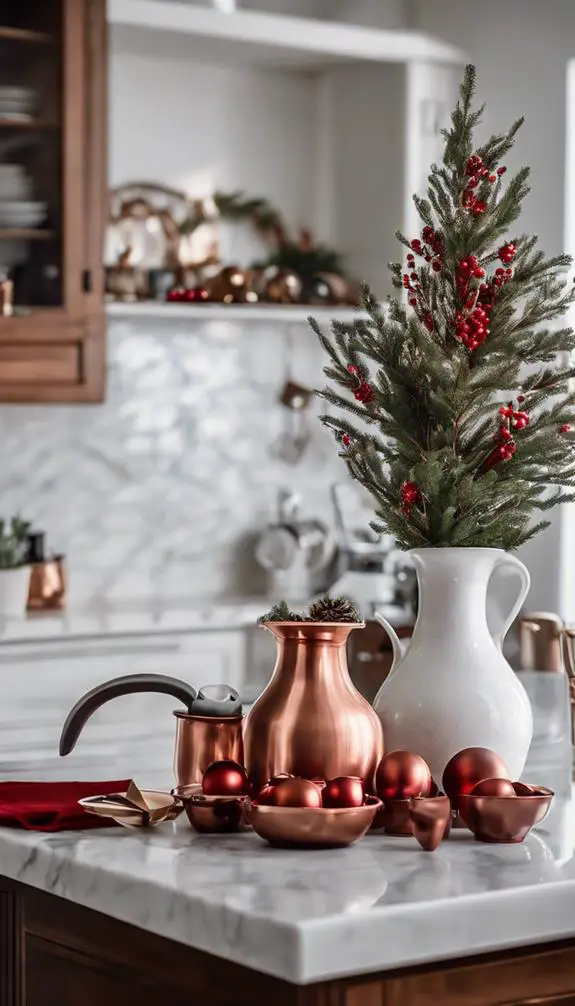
x: 47, y: 589
x: 504, y: 819
x: 212, y: 814
x: 431, y: 820
x: 201, y: 740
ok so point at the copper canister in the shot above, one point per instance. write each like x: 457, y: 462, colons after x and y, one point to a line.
x: 540, y: 637
x: 201, y: 740
x: 47, y: 590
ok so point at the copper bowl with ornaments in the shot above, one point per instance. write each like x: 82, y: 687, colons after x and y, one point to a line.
x: 213, y: 814
x: 312, y: 827
x: 504, y: 819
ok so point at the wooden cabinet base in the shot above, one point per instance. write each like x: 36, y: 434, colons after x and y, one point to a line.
x: 54, y: 952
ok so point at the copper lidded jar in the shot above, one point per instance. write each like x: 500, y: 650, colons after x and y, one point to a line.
x: 311, y: 721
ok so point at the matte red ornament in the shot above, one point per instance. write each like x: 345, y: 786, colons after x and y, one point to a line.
x: 493, y: 787
x: 345, y: 791
x: 297, y: 793
x: 469, y: 767
x: 401, y: 775
x: 225, y: 778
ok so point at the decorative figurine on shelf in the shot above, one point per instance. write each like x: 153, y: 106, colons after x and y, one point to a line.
x: 469, y: 416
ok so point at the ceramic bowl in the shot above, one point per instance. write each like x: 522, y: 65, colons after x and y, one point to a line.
x: 504, y: 818
x: 312, y: 827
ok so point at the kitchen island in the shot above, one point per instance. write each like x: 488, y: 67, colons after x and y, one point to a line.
x: 167, y: 915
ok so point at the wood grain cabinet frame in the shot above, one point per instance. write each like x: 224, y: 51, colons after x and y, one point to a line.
x: 56, y: 953
x: 57, y: 354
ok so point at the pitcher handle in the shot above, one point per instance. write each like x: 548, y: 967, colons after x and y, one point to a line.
x: 398, y: 646
x: 525, y: 577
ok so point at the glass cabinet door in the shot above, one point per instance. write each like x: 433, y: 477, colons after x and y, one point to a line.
x: 40, y: 157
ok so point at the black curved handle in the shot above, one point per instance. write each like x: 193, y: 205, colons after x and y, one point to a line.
x: 125, y: 685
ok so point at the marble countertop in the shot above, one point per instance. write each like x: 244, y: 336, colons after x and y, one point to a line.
x: 307, y: 916
x: 147, y: 617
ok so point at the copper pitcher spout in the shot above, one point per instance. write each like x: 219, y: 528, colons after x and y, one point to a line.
x: 310, y: 720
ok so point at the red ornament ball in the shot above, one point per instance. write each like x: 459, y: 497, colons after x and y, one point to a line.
x: 524, y: 789
x: 402, y: 774
x: 297, y: 793
x: 470, y: 766
x: 493, y: 787
x: 196, y: 295
x: 345, y: 791
x: 225, y: 778
x: 266, y: 795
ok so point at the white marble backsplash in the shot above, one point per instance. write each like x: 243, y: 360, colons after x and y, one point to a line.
x: 159, y: 490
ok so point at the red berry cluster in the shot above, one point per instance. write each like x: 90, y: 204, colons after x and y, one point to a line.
x: 503, y: 452
x: 507, y: 252
x: 565, y: 428
x: 408, y: 495
x: 466, y: 269
x: 430, y: 248
x: 345, y: 439
x: 502, y: 276
x: 477, y: 172
x: 362, y: 390
x: 471, y: 329
x: 518, y: 419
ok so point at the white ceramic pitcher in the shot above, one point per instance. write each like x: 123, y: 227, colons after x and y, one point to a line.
x: 450, y: 686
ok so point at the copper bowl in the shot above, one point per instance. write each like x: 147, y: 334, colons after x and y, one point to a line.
x: 312, y: 827
x: 212, y: 814
x: 504, y: 818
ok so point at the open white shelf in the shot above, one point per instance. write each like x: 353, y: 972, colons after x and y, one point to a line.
x: 277, y: 313
x: 148, y: 26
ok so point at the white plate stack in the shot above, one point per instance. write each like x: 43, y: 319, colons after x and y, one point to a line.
x: 17, y: 209
x: 17, y: 103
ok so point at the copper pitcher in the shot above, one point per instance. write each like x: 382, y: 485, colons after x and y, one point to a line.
x: 200, y: 738
x: 310, y: 720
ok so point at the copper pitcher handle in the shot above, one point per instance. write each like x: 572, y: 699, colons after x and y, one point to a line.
x: 126, y: 685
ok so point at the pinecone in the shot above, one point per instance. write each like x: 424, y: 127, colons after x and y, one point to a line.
x: 280, y: 613
x: 333, y: 609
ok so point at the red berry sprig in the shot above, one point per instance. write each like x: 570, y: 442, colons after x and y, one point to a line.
x: 504, y: 452
x: 362, y: 389
x: 565, y: 428
x: 507, y: 252
x: 518, y: 419
x: 477, y: 172
x: 471, y: 329
x: 409, y: 494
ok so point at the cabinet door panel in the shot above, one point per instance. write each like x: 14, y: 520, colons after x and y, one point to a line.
x: 39, y: 364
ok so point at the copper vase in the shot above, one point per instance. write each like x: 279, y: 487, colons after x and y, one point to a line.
x: 310, y: 720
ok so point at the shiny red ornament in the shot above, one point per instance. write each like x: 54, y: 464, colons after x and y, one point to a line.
x: 468, y: 767
x: 279, y: 777
x: 297, y: 793
x: 266, y: 795
x: 493, y: 787
x: 523, y: 789
x: 345, y: 791
x: 225, y: 778
x: 401, y: 775
x: 196, y: 295
x: 177, y: 295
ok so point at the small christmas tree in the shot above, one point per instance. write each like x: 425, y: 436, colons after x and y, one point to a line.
x: 462, y: 381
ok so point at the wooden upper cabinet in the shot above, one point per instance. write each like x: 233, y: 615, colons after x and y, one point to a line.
x: 53, y: 156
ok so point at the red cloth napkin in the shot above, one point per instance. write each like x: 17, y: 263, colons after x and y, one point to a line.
x: 53, y: 806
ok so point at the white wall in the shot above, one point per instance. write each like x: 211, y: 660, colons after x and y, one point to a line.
x: 521, y: 49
